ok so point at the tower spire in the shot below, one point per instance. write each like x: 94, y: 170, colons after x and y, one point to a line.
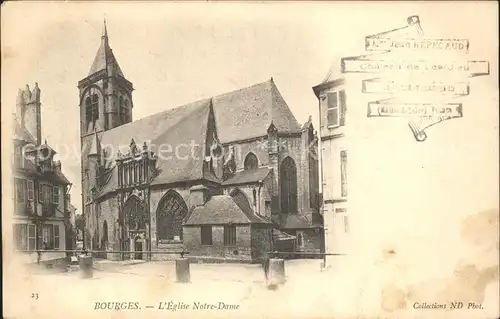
x: 105, y: 30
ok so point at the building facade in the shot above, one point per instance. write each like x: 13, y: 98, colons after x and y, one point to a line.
x: 41, y: 198
x: 331, y: 94
x: 226, y: 178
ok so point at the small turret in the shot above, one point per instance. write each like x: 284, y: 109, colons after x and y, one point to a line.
x: 28, y: 109
x: 35, y: 94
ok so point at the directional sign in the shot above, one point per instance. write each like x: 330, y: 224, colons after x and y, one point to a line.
x: 407, y: 86
x: 413, y: 110
x: 366, y: 65
x: 415, y: 78
x: 390, y: 44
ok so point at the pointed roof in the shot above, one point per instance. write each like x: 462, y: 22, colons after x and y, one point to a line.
x: 247, y: 177
x: 21, y: 134
x: 104, y: 56
x: 45, y: 146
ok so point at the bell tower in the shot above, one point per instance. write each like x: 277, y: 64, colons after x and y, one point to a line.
x: 105, y: 100
x: 105, y: 94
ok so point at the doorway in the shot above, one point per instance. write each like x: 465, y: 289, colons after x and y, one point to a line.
x: 138, y: 248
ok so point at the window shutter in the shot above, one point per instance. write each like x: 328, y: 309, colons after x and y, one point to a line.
x: 56, y: 236
x: 343, y: 172
x: 55, y: 194
x: 343, y: 107
x: 31, y: 237
x: 346, y: 224
x: 40, y: 193
x: 48, y: 194
x: 332, y: 109
x: 21, y: 190
x: 31, y: 190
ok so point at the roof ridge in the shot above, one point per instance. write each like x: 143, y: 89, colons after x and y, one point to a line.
x: 196, y: 102
x: 164, y: 112
x: 244, y: 88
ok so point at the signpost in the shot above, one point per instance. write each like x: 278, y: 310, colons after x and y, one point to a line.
x: 415, y: 88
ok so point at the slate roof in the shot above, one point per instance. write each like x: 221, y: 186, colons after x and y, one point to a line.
x: 222, y: 209
x: 245, y: 177
x: 59, y: 177
x: 248, y: 112
x: 104, y: 56
x: 22, y: 134
x: 239, y: 115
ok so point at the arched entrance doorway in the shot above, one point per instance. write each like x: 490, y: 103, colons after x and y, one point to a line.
x: 135, y: 230
x: 138, y: 247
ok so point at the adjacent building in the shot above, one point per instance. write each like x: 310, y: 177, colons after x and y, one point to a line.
x: 229, y: 177
x: 331, y: 94
x: 41, y: 198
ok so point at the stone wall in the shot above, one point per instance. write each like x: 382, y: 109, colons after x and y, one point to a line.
x: 241, y: 150
x: 261, y: 241
x: 241, y: 251
x: 108, y: 212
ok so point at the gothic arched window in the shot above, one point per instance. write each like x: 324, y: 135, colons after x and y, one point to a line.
x: 135, y: 214
x: 126, y: 110
x: 288, y: 185
x: 88, y: 109
x: 251, y: 162
x: 120, y: 108
x: 95, y: 106
x: 92, y: 108
x: 172, y: 211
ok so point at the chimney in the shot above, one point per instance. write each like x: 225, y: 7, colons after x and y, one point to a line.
x: 32, y: 117
x: 20, y: 105
x: 199, y: 195
x: 57, y: 166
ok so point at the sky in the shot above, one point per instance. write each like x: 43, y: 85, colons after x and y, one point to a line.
x: 178, y: 53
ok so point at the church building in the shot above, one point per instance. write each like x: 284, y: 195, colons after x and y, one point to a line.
x: 227, y: 178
